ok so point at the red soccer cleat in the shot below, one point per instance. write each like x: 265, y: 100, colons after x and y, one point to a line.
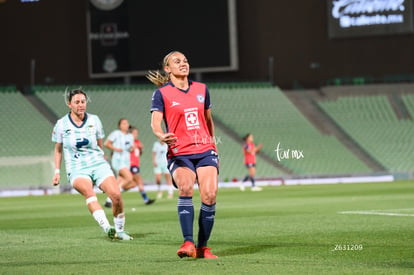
x: 204, y: 252
x: 187, y: 249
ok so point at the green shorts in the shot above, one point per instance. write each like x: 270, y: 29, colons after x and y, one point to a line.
x: 96, y: 174
x: 118, y: 164
x: 161, y: 169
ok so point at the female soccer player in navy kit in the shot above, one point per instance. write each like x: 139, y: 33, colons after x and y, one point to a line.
x: 184, y: 106
x: 78, y: 135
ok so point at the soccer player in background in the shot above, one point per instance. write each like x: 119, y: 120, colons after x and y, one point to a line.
x: 159, y: 160
x: 121, y: 143
x: 78, y: 135
x: 134, y: 166
x: 250, y: 150
x: 184, y: 106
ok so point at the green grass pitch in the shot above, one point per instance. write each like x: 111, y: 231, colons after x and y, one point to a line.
x: 318, y: 229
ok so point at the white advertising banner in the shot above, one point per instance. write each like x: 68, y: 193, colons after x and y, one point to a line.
x: 349, y: 18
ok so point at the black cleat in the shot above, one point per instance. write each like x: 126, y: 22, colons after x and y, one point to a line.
x: 108, y: 204
x: 150, y: 201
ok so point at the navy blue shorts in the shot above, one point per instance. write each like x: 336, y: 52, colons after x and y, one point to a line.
x: 209, y: 158
x: 134, y: 170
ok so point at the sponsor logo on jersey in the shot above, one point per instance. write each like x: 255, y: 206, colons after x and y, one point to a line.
x: 191, y: 118
x: 81, y: 142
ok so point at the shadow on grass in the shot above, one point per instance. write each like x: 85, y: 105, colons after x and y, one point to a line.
x: 135, y: 236
x: 250, y: 249
x: 142, y: 235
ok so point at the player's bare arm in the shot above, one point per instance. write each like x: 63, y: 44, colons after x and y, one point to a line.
x: 156, y: 121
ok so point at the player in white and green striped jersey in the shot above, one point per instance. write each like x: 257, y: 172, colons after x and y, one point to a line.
x: 79, y: 136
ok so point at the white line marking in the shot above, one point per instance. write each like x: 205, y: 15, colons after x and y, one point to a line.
x: 390, y: 212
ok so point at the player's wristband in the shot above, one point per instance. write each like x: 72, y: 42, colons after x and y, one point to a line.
x: 57, y: 171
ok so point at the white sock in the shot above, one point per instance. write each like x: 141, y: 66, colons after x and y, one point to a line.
x: 119, y: 222
x: 170, y: 189
x: 100, y: 218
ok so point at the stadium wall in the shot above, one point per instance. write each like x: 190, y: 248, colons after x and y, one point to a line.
x: 53, y: 33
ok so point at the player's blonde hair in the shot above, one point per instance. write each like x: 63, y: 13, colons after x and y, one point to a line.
x: 158, y: 78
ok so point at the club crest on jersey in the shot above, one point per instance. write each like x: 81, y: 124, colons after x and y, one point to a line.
x: 91, y: 130
x: 200, y: 98
x: 191, y: 118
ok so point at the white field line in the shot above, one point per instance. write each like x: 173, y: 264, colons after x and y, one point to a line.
x: 387, y: 212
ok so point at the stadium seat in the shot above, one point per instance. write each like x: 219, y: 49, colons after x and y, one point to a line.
x: 273, y: 119
x: 134, y: 102
x: 372, y: 123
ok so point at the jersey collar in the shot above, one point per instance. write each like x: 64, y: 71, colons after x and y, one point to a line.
x: 190, y: 82
x: 83, y: 123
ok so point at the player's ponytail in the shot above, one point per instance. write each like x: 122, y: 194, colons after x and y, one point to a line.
x: 158, y: 78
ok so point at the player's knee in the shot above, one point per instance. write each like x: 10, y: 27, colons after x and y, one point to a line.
x: 186, y: 189
x: 129, y: 180
x: 209, y: 197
